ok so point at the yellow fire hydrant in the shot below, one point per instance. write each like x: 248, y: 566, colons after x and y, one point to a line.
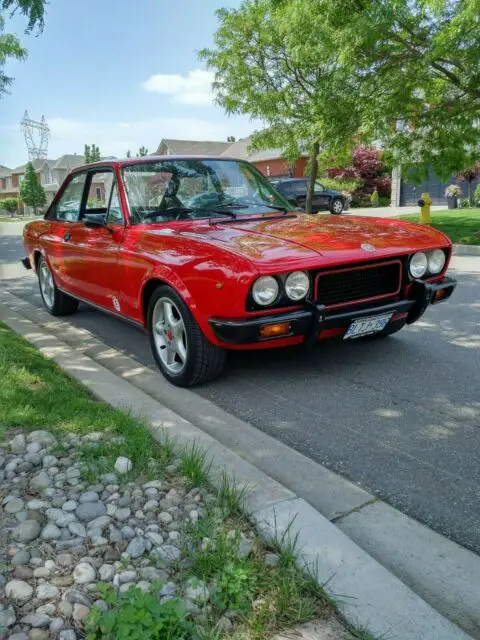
x: 424, y: 203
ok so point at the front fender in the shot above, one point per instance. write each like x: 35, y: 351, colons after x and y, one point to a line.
x: 167, y: 276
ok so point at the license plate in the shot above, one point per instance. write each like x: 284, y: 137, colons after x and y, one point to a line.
x: 366, y: 326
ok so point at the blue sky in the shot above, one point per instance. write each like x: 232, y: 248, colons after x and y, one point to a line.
x: 117, y: 73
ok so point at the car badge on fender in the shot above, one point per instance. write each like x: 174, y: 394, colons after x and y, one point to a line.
x: 366, y: 246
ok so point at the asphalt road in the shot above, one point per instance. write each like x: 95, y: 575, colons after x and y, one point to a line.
x: 400, y: 417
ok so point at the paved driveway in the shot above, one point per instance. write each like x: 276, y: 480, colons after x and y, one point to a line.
x: 401, y: 417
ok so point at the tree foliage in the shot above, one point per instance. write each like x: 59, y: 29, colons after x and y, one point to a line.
x: 142, y: 152
x: 31, y: 191
x: 468, y: 175
x: 301, y: 97
x: 403, y: 73
x: 91, y: 153
x: 10, y: 46
x: 9, y: 204
x: 413, y: 67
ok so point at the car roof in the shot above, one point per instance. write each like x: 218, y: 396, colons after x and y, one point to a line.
x: 289, y: 180
x: 125, y: 162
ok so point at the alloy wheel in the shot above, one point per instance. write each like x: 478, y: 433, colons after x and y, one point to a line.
x: 169, y: 335
x: 338, y: 206
x: 47, y: 286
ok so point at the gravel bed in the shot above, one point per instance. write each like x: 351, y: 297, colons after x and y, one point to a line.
x: 61, y: 537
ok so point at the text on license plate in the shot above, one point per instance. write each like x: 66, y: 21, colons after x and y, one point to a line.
x: 365, y: 326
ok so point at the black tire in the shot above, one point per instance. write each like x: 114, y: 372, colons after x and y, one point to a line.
x: 60, y: 303
x: 204, y: 361
x: 336, y: 206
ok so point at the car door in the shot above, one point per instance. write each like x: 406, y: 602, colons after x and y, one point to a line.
x: 94, y: 244
x: 63, y: 219
x: 321, y: 198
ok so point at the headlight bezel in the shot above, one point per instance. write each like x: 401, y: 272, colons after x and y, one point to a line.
x: 260, y: 303
x: 428, y: 272
x: 435, y: 272
x: 307, y: 288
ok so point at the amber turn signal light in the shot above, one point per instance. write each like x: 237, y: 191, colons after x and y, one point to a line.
x: 440, y: 294
x: 273, y: 330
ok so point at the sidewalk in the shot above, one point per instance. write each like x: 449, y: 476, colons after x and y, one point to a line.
x: 370, y: 595
x: 390, y: 212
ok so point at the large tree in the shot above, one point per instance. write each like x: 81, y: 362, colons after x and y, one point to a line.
x: 302, y: 98
x: 10, y: 46
x: 413, y: 66
x: 31, y: 191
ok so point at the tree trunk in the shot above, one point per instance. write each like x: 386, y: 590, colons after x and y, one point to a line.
x: 313, y: 177
x: 469, y: 193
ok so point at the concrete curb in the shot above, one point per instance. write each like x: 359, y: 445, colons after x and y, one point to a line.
x: 466, y: 250
x: 370, y: 596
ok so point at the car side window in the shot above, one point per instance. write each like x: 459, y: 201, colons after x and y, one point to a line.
x: 70, y: 202
x: 299, y: 188
x: 319, y: 188
x: 115, y: 213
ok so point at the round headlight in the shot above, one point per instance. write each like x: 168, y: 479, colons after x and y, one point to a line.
x: 265, y: 290
x: 297, y: 285
x: 418, y: 264
x: 436, y: 261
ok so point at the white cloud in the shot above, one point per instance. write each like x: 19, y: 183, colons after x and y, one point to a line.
x: 194, y: 88
x: 115, y: 137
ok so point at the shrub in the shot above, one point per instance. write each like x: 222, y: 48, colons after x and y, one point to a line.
x: 384, y: 201
x: 452, y: 191
x: 340, y: 185
x: 9, y: 204
x: 374, y: 198
x: 476, y: 195
x: 136, y: 615
x: 472, y: 240
x: 464, y: 203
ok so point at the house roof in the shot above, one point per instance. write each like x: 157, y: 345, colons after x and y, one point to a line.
x: 69, y: 161
x: 37, y: 164
x: 193, y: 147
x: 239, y: 149
x: 4, y: 171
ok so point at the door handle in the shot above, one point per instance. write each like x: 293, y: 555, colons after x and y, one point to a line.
x: 67, y: 235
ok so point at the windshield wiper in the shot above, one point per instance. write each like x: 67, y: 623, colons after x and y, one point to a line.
x: 180, y: 210
x: 264, y: 204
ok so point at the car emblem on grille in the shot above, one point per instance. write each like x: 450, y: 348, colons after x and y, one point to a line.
x: 366, y: 246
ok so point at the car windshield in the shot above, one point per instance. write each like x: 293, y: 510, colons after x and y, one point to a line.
x: 168, y: 190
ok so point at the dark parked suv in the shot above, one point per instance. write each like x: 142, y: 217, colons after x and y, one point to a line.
x: 295, y: 191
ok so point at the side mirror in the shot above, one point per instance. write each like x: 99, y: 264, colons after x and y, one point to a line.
x: 95, y: 221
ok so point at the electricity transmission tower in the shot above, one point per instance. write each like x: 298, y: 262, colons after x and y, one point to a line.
x: 37, y: 134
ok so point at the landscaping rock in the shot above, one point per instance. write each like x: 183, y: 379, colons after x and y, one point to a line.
x: 88, y: 511
x: 40, y: 620
x: 123, y: 465
x: 136, y: 547
x: 84, y: 573
x: 51, y: 532
x: 18, y: 444
x: 7, y: 618
x: 40, y: 481
x: 47, y: 591
x: 26, y: 531
x: 19, y: 591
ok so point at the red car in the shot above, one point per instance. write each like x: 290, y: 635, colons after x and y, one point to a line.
x: 205, y: 255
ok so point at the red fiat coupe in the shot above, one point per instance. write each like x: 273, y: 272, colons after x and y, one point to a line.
x: 205, y: 255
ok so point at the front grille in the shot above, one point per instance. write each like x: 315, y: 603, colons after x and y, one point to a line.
x: 358, y: 284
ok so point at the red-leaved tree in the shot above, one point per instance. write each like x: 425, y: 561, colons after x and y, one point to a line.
x: 368, y: 167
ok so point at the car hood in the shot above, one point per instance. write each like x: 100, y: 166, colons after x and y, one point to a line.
x: 333, y: 238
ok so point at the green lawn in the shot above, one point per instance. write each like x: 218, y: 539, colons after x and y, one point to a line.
x: 460, y: 225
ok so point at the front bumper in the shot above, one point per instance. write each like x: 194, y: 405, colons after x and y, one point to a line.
x: 311, y: 321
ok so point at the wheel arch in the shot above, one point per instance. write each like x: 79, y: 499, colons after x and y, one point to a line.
x: 155, y: 280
